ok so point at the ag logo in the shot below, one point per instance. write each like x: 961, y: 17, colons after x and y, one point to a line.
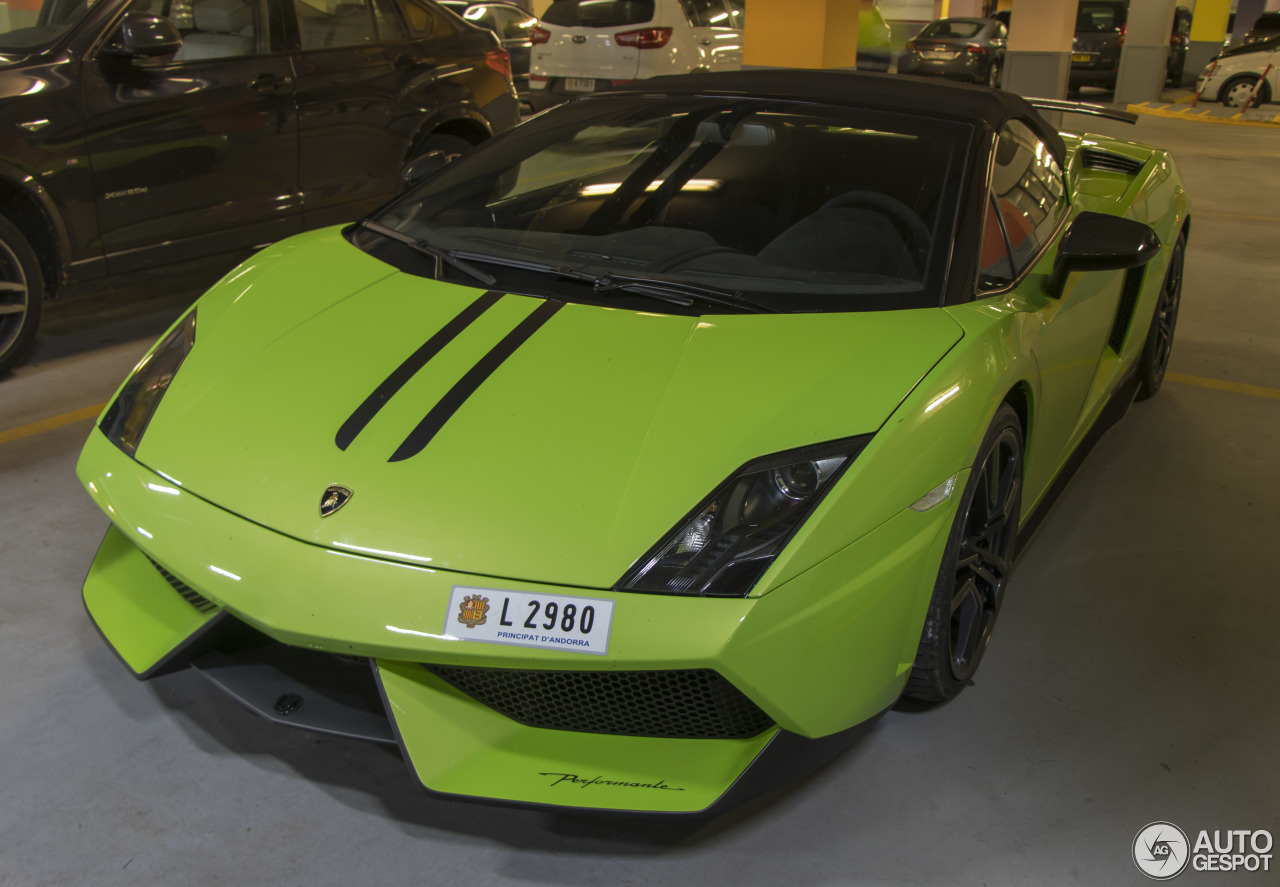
x: 1161, y: 851
x: 473, y: 610
x: 334, y: 498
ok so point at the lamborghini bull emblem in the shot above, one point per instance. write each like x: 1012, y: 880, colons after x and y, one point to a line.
x: 473, y: 610
x: 334, y: 498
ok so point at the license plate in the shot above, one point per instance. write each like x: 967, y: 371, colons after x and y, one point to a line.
x: 1081, y: 57
x: 546, y: 621
x: 939, y: 55
x: 579, y: 84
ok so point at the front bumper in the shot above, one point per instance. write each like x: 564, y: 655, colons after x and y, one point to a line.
x: 819, y: 655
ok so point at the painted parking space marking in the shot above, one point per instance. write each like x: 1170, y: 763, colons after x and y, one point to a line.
x: 1245, y: 216
x: 1223, y: 385
x: 51, y: 423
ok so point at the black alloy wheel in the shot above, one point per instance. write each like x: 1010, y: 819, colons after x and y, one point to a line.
x: 975, y: 567
x: 1159, y: 345
x: 21, y: 291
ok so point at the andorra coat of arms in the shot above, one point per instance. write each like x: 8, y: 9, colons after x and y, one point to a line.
x: 473, y: 610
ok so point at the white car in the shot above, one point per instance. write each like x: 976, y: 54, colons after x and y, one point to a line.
x: 1232, y: 76
x: 580, y: 46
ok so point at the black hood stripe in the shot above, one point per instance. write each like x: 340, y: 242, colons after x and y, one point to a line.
x: 374, y: 402
x: 475, y: 377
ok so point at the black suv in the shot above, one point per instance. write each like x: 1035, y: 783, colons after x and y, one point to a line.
x: 180, y: 134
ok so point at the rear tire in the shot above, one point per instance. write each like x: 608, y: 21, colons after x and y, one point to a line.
x: 993, y: 76
x: 1159, y: 345
x: 21, y: 296
x: 975, y: 566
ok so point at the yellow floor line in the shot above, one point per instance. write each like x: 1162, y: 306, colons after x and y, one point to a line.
x: 51, y: 423
x: 1251, y: 218
x: 1221, y: 385
x: 1235, y: 120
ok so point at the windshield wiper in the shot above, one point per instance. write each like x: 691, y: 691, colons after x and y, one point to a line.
x: 441, y: 256
x: 673, y: 292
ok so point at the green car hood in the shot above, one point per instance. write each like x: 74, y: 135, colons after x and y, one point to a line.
x: 567, y: 463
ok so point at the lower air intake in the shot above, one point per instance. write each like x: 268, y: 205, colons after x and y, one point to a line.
x: 189, y: 594
x: 685, y: 704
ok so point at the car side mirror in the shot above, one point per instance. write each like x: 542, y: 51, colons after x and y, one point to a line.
x: 1102, y: 242
x: 145, y: 36
x: 419, y: 168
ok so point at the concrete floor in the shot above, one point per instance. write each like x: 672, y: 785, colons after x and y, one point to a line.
x: 1127, y: 681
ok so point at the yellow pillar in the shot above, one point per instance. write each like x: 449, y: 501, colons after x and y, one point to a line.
x: 1208, y: 30
x: 802, y: 34
x: 1037, y: 61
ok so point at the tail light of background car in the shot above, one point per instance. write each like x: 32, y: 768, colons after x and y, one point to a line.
x: 1120, y: 39
x: 645, y: 38
x: 975, y: 49
x: 1179, y: 41
x: 539, y: 35
x: 500, y: 61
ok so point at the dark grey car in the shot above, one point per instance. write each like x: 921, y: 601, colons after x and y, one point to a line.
x: 969, y: 49
x: 1099, y: 37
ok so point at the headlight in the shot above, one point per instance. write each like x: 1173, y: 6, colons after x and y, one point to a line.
x: 725, y: 544
x: 128, y: 416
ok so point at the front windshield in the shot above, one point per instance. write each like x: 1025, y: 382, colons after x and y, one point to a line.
x: 792, y: 206
x: 36, y: 23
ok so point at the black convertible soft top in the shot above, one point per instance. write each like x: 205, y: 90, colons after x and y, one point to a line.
x: 884, y: 92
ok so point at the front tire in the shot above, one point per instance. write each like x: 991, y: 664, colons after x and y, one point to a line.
x: 21, y: 296
x: 1236, y: 92
x: 975, y: 566
x: 1159, y: 344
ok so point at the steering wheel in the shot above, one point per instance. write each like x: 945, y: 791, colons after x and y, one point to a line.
x: 904, y: 218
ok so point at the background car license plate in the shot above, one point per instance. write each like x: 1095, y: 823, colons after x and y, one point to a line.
x: 579, y: 84
x: 1081, y: 57
x: 941, y: 55
x: 547, y: 621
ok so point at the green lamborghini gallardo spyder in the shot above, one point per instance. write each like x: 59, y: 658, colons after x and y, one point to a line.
x: 686, y: 427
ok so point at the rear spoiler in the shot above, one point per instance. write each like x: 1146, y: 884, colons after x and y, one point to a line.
x: 1083, y: 108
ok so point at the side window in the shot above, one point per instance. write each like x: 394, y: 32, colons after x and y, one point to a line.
x: 423, y: 21
x: 388, y: 21
x: 480, y: 16
x: 511, y: 24
x: 1030, y: 196
x: 705, y: 13
x: 325, y: 24
x: 213, y: 29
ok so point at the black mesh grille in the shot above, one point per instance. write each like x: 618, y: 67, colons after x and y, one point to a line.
x: 690, y: 703
x: 189, y: 594
x: 1094, y: 159
x: 1124, y: 310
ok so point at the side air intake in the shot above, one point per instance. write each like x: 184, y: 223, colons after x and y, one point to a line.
x: 1105, y: 160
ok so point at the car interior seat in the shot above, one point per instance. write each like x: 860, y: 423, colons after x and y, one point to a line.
x: 224, y: 29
